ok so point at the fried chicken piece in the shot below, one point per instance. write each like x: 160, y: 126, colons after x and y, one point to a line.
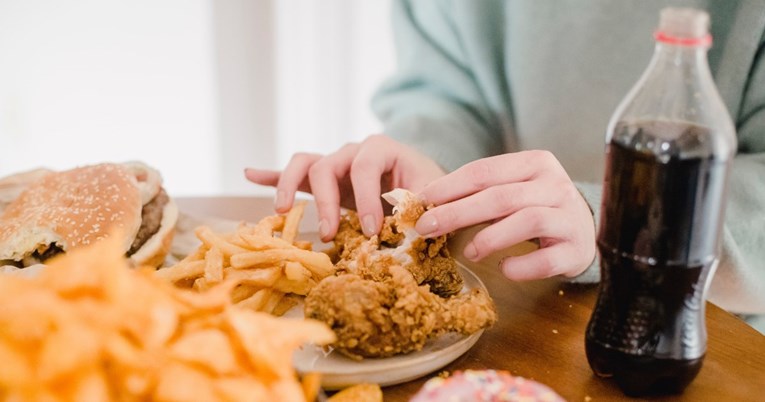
x: 427, y: 259
x: 395, y: 291
x: 391, y: 313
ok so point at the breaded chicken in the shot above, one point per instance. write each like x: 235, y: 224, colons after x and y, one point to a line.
x: 395, y: 291
x: 427, y: 259
x: 391, y: 314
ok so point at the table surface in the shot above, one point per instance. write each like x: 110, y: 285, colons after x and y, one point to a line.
x: 540, y: 332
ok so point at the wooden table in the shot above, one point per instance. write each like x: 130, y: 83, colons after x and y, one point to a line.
x: 540, y: 333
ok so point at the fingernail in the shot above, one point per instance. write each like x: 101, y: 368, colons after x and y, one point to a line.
x: 471, y: 253
x: 280, y: 202
x: 368, y: 225
x: 504, y: 265
x: 323, y: 228
x: 426, y: 225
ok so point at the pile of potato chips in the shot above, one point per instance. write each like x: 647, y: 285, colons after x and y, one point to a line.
x: 267, y: 262
x: 90, y: 329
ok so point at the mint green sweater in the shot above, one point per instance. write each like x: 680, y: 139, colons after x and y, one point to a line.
x: 481, y: 77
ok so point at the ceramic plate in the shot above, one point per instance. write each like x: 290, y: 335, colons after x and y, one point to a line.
x: 339, y: 371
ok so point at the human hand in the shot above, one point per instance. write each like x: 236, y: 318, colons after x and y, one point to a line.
x: 353, y: 177
x: 523, y: 195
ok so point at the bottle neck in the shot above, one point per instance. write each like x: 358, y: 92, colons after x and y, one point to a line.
x: 677, y: 87
x: 669, y: 55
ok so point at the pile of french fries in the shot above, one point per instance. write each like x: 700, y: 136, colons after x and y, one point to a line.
x: 91, y: 329
x: 270, y: 266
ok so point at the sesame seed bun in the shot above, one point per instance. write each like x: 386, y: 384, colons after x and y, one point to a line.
x: 73, y: 208
x: 12, y: 186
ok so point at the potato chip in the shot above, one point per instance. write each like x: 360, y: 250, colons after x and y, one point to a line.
x: 66, y: 349
x: 209, y: 348
x: 311, y: 385
x: 91, y: 329
x: 358, y: 393
x: 182, y: 382
x: 16, y: 369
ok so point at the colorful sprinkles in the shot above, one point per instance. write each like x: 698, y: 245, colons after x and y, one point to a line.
x: 484, y: 386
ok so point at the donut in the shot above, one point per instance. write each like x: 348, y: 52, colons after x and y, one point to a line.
x: 484, y: 386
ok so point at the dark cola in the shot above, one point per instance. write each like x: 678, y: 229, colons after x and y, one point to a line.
x: 658, y: 238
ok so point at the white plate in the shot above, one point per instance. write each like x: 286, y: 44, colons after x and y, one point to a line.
x: 339, y: 371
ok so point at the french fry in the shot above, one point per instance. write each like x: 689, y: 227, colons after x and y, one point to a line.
x: 213, y: 265
x: 197, y: 255
x: 302, y: 287
x: 257, y: 300
x: 210, y: 239
x: 292, y: 221
x: 242, y: 292
x: 266, y: 266
x: 304, y: 244
x: 272, y: 301
x: 268, y: 225
x: 318, y: 263
x: 286, y: 303
x: 295, y: 271
x: 261, y: 242
x: 182, y: 271
x: 261, y: 277
x: 200, y: 284
x: 237, y: 240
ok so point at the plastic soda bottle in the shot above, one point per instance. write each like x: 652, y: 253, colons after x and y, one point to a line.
x: 669, y: 147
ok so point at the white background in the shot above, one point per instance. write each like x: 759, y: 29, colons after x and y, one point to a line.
x: 197, y: 88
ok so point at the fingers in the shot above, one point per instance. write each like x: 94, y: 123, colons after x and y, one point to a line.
x: 487, y: 205
x: 350, y: 177
x: 543, y: 263
x: 560, y: 254
x: 528, y: 223
x: 484, y: 173
x: 374, y: 159
x: 262, y: 176
x: 291, y: 178
x: 324, y: 176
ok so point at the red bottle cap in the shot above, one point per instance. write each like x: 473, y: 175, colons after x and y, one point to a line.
x: 663, y: 37
x: 684, y: 27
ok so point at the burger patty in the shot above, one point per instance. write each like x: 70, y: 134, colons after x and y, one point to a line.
x: 151, y: 217
x: 37, y: 257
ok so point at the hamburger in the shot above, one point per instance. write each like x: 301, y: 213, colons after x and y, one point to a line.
x: 12, y: 186
x: 60, y: 211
